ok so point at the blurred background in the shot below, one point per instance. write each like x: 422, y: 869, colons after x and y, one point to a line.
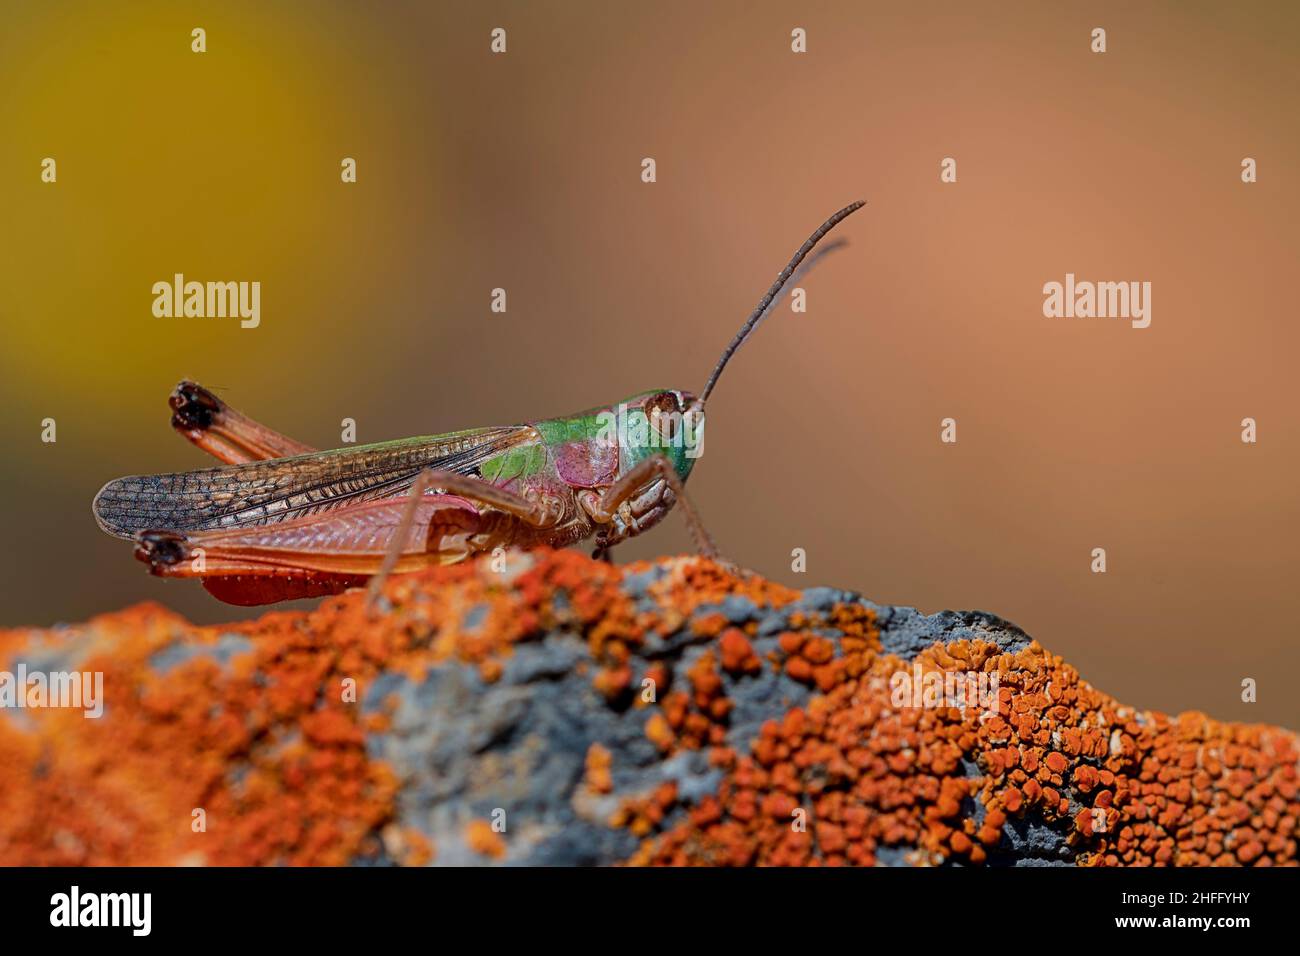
x: 522, y: 171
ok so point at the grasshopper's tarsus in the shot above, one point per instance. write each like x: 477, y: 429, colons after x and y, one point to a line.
x: 161, y: 549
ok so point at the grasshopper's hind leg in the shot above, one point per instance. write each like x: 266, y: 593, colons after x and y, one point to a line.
x: 330, y: 551
x: 323, y: 553
x: 229, y: 435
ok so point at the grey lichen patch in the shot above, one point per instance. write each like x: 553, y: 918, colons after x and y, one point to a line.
x: 222, y: 651
x: 905, y: 632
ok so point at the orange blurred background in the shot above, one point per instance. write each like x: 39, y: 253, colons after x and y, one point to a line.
x: 522, y: 171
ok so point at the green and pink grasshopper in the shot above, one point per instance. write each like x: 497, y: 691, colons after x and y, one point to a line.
x: 282, y: 520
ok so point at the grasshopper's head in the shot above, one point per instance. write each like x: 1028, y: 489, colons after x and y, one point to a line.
x: 665, y: 421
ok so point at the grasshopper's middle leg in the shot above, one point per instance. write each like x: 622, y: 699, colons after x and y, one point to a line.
x: 227, y: 434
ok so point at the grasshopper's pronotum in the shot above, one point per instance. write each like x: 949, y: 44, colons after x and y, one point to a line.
x: 282, y: 520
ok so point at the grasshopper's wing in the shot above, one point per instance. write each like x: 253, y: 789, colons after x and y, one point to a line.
x: 262, y: 492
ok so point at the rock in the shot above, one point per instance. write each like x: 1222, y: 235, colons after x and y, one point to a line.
x: 571, y: 712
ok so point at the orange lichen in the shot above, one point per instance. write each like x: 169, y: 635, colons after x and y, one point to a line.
x: 483, y: 840
x: 262, y: 758
x: 738, y: 655
x: 407, y: 846
x: 643, y: 813
x: 599, y: 761
x: 660, y: 732
x: 126, y: 789
x: 850, y: 774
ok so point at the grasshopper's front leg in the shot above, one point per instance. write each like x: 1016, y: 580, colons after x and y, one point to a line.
x: 228, y: 435
x: 644, y: 471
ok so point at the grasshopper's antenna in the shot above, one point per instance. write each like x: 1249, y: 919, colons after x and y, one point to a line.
x: 773, y: 292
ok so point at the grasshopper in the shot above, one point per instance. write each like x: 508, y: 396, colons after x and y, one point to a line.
x: 282, y: 520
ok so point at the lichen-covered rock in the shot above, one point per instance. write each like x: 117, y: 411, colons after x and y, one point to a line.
x: 564, y: 711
